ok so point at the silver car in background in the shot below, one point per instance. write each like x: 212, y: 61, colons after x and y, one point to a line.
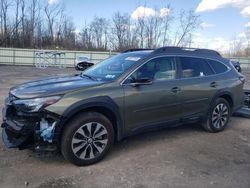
x: 82, y: 63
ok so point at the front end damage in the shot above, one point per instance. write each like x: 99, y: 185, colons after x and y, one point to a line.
x: 34, y: 130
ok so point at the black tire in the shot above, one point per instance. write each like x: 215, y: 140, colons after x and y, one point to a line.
x: 210, y: 124
x: 72, y: 130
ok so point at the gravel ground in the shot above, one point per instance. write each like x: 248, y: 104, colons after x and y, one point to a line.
x: 178, y: 157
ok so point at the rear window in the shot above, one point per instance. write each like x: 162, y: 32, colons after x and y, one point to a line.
x: 217, y: 66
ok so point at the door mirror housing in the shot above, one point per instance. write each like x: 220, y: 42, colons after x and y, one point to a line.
x: 141, y: 81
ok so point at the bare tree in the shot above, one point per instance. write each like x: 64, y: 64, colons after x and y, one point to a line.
x: 141, y: 30
x: 122, y: 31
x: 5, y: 5
x: 166, y: 21
x: 189, y: 21
x: 37, y: 24
x: 86, y: 38
x: 22, y: 18
x: 17, y: 22
x: 52, y: 12
x: 33, y: 20
x: 237, y: 47
x: 247, y: 34
x: 153, y: 31
x: 99, y: 28
x: 68, y: 34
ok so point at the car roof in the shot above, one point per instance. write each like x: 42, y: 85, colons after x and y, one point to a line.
x: 180, y: 51
x: 177, y: 51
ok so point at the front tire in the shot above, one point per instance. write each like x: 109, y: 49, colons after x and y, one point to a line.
x: 87, y: 138
x: 218, y: 116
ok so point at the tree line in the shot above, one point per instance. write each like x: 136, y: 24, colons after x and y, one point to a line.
x: 38, y: 24
x: 240, y: 46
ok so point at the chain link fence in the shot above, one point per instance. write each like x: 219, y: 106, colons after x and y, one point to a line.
x: 17, y: 56
x: 29, y: 57
x: 244, y: 61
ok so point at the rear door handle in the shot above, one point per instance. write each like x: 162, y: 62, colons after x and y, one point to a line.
x: 176, y: 89
x: 213, y: 84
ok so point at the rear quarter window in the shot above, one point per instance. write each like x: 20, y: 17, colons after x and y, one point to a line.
x: 217, y: 66
x: 195, y: 67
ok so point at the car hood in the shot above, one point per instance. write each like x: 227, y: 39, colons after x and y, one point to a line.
x: 52, y: 86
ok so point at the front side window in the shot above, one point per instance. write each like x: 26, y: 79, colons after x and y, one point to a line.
x: 157, y: 69
x: 195, y: 67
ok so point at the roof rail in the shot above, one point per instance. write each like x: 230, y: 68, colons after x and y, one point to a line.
x: 135, y: 49
x: 208, y: 51
x: 175, y: 49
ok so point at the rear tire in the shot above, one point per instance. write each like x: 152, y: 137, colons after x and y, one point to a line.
x: 218, y: 116
x: 87, y: 138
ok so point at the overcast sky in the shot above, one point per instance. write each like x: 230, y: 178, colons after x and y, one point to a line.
x: 222, y: 20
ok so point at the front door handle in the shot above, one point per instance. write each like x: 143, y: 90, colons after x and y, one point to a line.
x: 213, y: 84
x: 176, y: 89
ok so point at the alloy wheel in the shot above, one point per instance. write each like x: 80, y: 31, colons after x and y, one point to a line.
x: 220, y: 116
x: 89, y: 140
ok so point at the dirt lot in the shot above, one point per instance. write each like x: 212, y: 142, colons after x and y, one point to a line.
x: 178, y: 157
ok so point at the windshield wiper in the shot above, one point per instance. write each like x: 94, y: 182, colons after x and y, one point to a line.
x: 88, y: 76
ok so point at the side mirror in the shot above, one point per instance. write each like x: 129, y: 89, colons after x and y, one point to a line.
x: 142, y: 81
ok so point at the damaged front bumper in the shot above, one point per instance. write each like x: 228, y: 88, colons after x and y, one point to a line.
x: 15, y: 136
x: 28, y: 130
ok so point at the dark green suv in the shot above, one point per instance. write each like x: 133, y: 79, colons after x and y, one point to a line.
x: 137, y: 90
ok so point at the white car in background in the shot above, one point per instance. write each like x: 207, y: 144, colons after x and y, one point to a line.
x: 82, y: 63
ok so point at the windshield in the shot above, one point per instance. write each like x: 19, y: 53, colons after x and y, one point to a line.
x: 110, y: 69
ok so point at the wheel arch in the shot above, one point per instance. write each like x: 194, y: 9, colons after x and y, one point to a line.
x: 229, y: 99
x: 225, y: 94
x: 103, y: 105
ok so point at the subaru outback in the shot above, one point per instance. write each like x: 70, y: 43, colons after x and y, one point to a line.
x: 134, y: 91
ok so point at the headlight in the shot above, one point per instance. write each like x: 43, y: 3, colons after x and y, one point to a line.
x: 34, y: 105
